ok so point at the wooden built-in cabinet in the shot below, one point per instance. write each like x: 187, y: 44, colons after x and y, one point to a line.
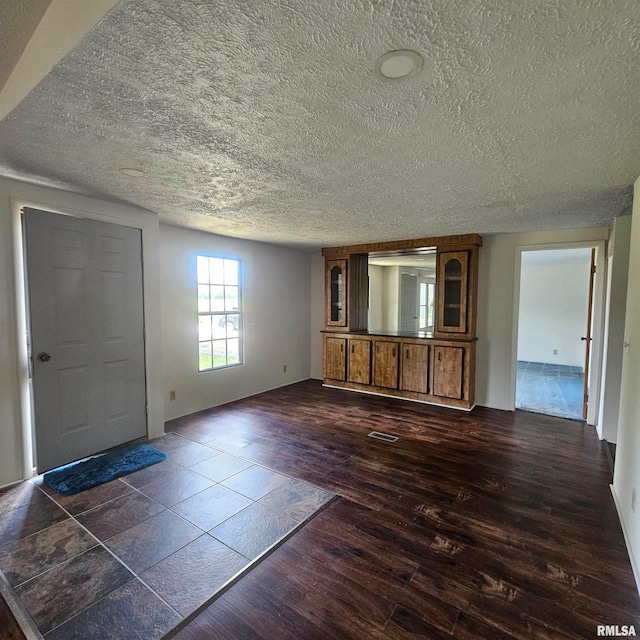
x: 430, y: 370
x: 438, y: 367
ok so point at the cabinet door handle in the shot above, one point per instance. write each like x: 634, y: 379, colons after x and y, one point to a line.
x: 393, y: 352
x: 341, y: 348
x: 407, y: 354
x: 353, y: 348
x: 439, y: 356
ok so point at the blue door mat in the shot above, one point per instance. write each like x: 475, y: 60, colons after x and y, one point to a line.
x: 88, y: 473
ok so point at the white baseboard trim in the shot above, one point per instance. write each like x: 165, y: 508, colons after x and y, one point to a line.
x: 632, y: 559
x: 11, y: 484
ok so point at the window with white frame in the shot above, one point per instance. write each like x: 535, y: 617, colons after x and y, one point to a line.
x: 427, y: 305
x: 219, y: 313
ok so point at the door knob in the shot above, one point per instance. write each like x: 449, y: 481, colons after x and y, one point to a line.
x: 44, y: 357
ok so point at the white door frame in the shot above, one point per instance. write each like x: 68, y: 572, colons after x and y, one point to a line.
x: 597, y: 330
x: 56, y: 202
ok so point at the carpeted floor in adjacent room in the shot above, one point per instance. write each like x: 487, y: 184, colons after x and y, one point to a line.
x: 552, y: 389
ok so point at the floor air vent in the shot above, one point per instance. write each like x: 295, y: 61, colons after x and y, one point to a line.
x: 383, y: 436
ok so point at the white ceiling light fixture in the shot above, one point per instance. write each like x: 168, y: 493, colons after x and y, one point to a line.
x: 132, y: 173
x: 397, y: 65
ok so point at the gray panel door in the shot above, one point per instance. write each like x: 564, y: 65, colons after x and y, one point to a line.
x: 87, y: 335
x: 408, y: 302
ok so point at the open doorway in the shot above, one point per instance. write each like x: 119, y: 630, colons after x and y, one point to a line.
x: 554, y: 331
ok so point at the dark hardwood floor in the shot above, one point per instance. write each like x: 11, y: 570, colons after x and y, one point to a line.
x: 9, y: 628
x: 486, y: 524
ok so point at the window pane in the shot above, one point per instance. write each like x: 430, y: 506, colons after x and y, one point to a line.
x: 231, y: 298
x: 233, y: 325
x: 203, y: 298
x: 204, y: 349
x: 423, y: 293
x: 220, y: 353
x: 217, y: 298
x: 202, y: 264
x: 231, y: 272
x: 219, y: 312
x: 233, y: 351
x: 218, y: 327
x: 431, y: 297
x: 204, y: 328
x: 217, y: 270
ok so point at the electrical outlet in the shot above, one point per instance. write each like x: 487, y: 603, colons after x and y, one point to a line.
x: 633, y: 500
x: 172, y: 395
x: 555, y: 352
x: 284, y: 368
x: 627, y: 345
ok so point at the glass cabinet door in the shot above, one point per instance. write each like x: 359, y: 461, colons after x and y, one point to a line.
x: 336, y: 286
x: 452, y: 291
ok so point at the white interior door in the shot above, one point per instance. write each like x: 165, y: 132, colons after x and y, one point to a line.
x: 408, y: 302
x: 87, y: 335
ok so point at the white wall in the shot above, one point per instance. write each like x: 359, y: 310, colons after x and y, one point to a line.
x: 614, y: 328
x: 553, y: 313
x: 390, y: 298
x: 15, y: 458
x: 627, y: 470
x: 375, y: 297
x: 277, y: 322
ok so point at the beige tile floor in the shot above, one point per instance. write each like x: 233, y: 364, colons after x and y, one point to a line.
x: 135, y: 557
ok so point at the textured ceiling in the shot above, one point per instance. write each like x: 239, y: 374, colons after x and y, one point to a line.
x: 261, y: 119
